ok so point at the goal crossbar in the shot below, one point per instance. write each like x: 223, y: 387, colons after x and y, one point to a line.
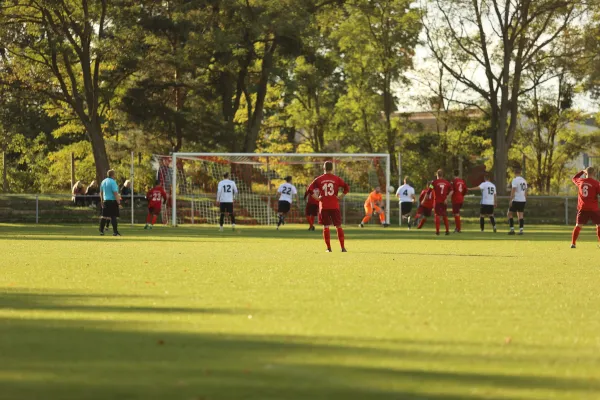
x: 249, y: 156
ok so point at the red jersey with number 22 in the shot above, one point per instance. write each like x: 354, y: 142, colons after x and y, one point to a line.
x: 328, y: 186
x: 441, y: 188
x: 589, y: 190
x: 155, y: 196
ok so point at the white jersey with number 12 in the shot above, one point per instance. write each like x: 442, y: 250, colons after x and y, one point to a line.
x: 226, y: 191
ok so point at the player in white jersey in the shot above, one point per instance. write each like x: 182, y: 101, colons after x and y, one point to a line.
x: 488, y: 202
x: 518, y: 199
x: 406, y: 195
x: 286, y: 193
x: 226, y: 193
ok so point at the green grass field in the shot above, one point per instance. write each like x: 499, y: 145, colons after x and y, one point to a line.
x: 189, y: 313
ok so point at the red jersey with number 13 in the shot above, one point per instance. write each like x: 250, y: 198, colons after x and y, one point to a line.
x: 441, y: 188
x: 589, y: 190
x: 328, y: 186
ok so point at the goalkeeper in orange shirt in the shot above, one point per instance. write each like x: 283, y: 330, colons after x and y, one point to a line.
x: 373, y: 204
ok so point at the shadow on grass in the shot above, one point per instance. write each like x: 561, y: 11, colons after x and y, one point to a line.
x: 99, y: 359
x: 210, y: 233
x: 18, y: 300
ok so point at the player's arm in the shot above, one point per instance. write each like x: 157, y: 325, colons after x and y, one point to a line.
x: 235, y: 191
x: 218, y: 201
x: 495, y: 199
x: 101, y: 197
x: 414, y: 198
x: 577, y: 176
x: 115, y: 191
x: 512, y: 194
x: 345, y: 188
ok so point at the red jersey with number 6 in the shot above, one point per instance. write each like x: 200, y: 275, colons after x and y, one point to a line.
x: 155, y: 196
x: 328, y: 186
x: 589, y: 190
x: 441, y: 189
x: 459, y: 190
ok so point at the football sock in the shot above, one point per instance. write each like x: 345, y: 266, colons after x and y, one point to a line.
x: 575, y: 234
x: 327, y: 237
x: 106, y: 223
x: 102, y: 224
x: 437, y: 224
x: 232, y: 217
x: 598, y: 231
x: 457, y: 222
x: 366, y: 219
x: 154, y: 219
x: 493, y: 221
x: 311, y: 220
x: 421, y: 223
x: 222, y: 219
x: 446, y: 224
x: 382, y: 218
x: 521, y: 223
x: 340, y: 233
x: 481, y: 222
x: 279, y: 221
x: 511, y: 223
x: 113, y: 220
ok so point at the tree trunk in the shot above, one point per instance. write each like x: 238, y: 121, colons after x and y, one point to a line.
x: 255, y: 122
x: 94, y: 131
x: 501, y: 156
x: 4, y: 173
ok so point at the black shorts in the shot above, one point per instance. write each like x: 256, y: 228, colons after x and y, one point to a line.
x: 227, y: 208
x: 110, y: 209
x: 486, y: 209
x: 405, y: 207
x: 283, y: 206
x: 517, y: 206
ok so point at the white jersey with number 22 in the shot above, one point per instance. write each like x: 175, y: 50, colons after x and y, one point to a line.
x: 287, y: 190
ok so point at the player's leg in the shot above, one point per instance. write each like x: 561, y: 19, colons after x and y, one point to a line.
x: 101, y: 228
x: 521, y: 216
x: 336, y: 218
x: 445, y: 217
x: 368, y: 214
x: 436, y: 219
x: 493, y: 221
x: 581, y: 219
x: 325, y: 220
x: 482, y: 219
x: 231, y: 215
x: 456, y: 212
x: 511, y: 221
x: 222, y: 216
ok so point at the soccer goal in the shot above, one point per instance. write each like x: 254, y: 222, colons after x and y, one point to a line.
x: 192, y: 178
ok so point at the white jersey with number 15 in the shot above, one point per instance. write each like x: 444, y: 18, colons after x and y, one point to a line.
x: 226, y: 191
x: 488, y: 190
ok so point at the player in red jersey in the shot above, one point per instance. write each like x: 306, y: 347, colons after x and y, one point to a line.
x: 459, y: 190
x: 425, y: 205
x: 328, y: 185
x: 587, y: 202
x: 155, y: 196
x: 312, y: 208
x: 441, y: 189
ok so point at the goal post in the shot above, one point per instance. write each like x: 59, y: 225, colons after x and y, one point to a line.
x: 191, y: 180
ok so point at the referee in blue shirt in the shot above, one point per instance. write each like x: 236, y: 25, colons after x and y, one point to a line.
x: 109, y: 199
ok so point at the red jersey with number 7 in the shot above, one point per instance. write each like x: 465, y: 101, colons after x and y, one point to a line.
x: 328, y: 186
x: 441, y: 188
x: 589, y: 190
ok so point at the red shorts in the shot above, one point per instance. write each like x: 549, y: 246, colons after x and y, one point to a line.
x: 424, y: 211
x: 441, y: 209
x: 311, y: 210
x: 583, y: 216
x: 154, y: 209
x: 330, y: 217
x: 456, y: 208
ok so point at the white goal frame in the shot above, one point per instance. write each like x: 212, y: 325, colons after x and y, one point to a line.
x: 333, y: 156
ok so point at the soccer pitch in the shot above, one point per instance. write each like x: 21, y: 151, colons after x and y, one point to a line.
x: 189, y: 313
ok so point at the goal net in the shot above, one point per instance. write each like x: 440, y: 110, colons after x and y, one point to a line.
x: 191, y: 180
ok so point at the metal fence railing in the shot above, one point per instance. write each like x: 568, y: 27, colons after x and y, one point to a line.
x: 60, y: 208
